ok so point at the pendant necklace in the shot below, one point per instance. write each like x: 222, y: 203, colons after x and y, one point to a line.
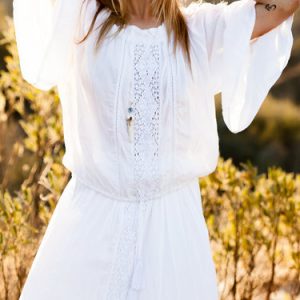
x: 129, y: 121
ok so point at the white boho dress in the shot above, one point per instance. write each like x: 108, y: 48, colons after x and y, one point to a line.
x: 129, y: 224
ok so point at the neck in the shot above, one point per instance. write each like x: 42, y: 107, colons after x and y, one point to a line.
x: 140, y: 9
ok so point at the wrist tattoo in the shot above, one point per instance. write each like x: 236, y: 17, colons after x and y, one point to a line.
x: 270, y: 7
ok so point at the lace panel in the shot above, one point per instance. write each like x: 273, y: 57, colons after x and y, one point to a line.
x: 146, y: 108
x: 145, y: 112
x: 124, y: 258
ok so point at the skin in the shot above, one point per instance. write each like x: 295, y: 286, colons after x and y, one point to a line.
x: 141, y: 14
x: 269, y: 14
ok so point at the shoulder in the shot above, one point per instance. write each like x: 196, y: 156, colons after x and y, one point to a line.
x: 202, y: 9
x: 203, y: 14
x: 87, y: 14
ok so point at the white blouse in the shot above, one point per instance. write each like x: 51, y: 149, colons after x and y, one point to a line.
x: 173, y: 134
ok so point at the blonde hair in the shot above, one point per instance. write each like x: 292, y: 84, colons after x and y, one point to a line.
x: 167, y: 11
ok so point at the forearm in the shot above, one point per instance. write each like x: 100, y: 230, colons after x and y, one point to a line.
x: 287, y: 7
x: 270, y: 13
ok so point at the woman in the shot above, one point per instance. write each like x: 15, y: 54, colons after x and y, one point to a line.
x: 137, y: 84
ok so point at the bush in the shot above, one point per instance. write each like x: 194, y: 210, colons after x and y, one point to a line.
x: 253, y: 219
x: 31, y: 174
x: 254, y: 225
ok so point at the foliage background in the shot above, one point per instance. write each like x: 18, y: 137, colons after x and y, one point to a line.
x: 252, y: 213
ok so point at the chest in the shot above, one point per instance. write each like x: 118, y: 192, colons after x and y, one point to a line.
x: 129, y: 66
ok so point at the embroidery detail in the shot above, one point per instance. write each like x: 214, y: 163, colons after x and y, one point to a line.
x: 124, y: 259
x: 145, y: 112
x: 146, y: 108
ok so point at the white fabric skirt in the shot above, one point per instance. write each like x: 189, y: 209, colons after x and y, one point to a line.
x: 88, y: 249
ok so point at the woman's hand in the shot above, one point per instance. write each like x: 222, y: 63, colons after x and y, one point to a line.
x: 270, y: 13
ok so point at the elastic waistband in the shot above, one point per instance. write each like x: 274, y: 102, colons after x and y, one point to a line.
x: 163, y: 192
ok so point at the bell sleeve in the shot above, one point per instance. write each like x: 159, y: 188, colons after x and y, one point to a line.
x: 45, y: 33
x: 243, y: 70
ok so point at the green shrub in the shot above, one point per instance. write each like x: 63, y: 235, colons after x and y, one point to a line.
x: 253, y: 219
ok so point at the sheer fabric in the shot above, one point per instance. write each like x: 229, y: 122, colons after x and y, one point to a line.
x: 130, y: 223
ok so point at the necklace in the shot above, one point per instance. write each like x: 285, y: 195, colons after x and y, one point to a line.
x: 129, y: 120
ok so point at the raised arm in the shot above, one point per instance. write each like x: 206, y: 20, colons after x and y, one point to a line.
x: 45, y: 35
x: 270, y: 13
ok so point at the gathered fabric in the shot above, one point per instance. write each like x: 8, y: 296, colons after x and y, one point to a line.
x: 140, y: 130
